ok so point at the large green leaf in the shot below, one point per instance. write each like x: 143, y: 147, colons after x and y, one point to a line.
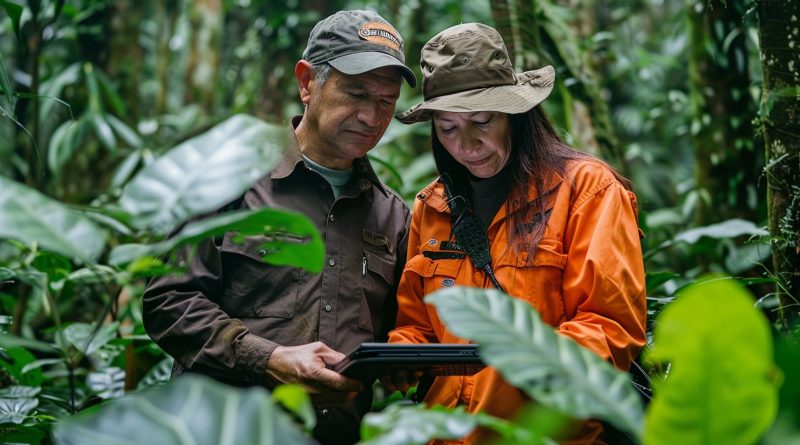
x: 28, y: 216
x: 401, y: 424
x: 17, y: 403
x: 552, y: 369
x: 203, y: 173
x: 191, y: 410
x: 721, y: 387
x: 292, y: 239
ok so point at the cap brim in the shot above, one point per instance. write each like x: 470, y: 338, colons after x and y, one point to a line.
x: 532, y: 88
x: 359, y: 63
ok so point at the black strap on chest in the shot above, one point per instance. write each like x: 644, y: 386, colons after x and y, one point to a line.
x: 469, y: 231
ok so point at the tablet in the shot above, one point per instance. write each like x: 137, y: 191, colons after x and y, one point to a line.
x: 372, y: 360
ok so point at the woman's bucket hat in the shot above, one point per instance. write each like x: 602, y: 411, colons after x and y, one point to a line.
x: 466, y: 68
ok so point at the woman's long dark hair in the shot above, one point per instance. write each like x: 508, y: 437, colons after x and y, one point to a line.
x: 537, y: 153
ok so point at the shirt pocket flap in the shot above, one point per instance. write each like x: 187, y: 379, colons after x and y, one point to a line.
x: 249, y: 247
x: 381, y: 265
x: 549, y: 253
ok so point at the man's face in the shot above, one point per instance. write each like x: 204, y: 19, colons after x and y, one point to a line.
x: 347, y: 116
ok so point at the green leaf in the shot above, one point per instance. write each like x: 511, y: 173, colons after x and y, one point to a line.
x: 17, y: 366
x: 84, y: 338
x: 93, y: 275
x: 10, y: 341
x: 416, y: 424
x: 5, y: 83
x: 14, y: 11
x: 6, y: 274
x: 125, y: 132
x: 158, y: 374
x: 28, y: 216
x: 190, y: 410
x: 722, y: 386
x: 731, y: 228
x: 295, y: 399
x: 291, y: 239
x: 103, y: 131
x: 53, y: 87
x: 16, y: 403
x: 203, y: 173
x: 552, y: 369
x: 67, y: 138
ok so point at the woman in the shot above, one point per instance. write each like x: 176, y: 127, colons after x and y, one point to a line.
x: 562, y: 225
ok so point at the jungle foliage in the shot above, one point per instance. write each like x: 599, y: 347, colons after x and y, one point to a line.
x: 122, y: 121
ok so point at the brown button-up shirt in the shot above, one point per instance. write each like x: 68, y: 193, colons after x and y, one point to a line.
x: 226, y: 315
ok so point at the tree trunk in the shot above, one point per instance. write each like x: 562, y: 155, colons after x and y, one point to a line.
x: 727, y: 166
x: 202, y: 70
x: 779, y: 35
x: 126, y: 56
x: 534, y: 33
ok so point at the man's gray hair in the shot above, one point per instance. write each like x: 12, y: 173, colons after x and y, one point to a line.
x: 321, y: 72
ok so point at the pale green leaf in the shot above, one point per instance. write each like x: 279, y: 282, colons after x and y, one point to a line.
x: 721, y: 386
x: 158, y: 374
x: 731, y: 228
x: 28, y: 216
x: 401, y: 424
x: 125, y: 132
x: 552, y: 369
x: 103, y: 131
x: 87, y: 339
x: 190, y: 410
x: 203, y: 173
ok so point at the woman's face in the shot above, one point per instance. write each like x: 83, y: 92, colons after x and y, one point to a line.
x: 479, y: 141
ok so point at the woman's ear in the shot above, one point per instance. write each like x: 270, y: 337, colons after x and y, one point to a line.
x: 304, y: 74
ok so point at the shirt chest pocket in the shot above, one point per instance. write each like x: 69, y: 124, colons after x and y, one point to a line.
x: 378, y: 277
x: 438, y: 271
x: 254, y: 288
x: 537, y: 280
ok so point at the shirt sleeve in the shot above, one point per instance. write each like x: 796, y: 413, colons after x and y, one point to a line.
x: 180, y: 315
x: 604, y: 283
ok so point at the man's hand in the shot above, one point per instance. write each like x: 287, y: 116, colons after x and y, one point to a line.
x: 306, y: 365
x: 401, y: 380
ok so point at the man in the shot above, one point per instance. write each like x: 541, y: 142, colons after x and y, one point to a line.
x: 244, y: 322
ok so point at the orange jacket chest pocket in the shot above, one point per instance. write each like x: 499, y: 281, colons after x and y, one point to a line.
x: 537, y: 280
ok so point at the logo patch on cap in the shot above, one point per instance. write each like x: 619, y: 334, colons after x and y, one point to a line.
x: 380, y: 33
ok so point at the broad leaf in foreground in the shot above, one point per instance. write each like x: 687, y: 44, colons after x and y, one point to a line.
x: 291, y: 239
x: 203, y: 173
x: 401, y: 424
x: 552, y: 369
x: 28, y: 216
x: 722, y: 384
x: 191, y: 410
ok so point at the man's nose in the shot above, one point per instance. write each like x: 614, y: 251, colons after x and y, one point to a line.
x: 370, y: 114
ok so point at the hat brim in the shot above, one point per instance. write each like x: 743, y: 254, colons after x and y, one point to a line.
x: 359, y: 63
x: 531, y: 89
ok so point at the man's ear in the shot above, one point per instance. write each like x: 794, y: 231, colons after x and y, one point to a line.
x: 305, y: 80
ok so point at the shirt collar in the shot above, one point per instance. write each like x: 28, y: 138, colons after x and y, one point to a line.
x: 292, y: 157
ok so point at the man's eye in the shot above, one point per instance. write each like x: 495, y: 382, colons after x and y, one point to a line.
x: 357, y: 95
x: 447, y: 130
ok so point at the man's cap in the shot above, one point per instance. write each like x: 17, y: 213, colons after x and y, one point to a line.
x: 466, y: 68
x: 355, y: 42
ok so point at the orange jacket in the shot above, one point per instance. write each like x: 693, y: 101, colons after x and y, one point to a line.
x: 586, y: 280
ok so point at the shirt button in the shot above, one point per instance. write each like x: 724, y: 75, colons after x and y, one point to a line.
x: 331, y: 262
x: 328, y: 308
x: 324, y: 412
x: 331, y: 218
